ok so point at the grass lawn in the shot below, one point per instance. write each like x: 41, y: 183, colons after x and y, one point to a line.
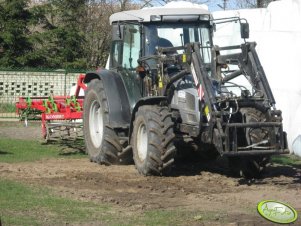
x: 25, y: 205
x: 7, y: 108
x: 289, y: 160
x: 12, y: 150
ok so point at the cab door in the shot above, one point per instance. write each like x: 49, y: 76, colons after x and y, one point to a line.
x: 125, y: 53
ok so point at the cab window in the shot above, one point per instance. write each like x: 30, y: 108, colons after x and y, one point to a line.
x: 131, y: 46
x: 126, y: 52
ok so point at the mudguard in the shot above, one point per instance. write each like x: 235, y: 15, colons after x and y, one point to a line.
x: 118, y: 102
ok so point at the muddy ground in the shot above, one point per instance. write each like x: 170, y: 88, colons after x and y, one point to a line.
x: 194, y: 186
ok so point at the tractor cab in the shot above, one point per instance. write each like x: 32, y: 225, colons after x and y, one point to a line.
x: 139, y: 34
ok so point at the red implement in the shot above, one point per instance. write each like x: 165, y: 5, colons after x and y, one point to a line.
x: 53, y: 108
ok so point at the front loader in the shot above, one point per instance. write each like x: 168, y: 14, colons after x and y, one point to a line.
x: 167, y: 83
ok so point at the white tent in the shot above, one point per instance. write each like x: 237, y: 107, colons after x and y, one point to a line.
x: 277, y: 31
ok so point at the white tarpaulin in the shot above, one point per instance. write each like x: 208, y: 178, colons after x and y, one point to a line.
x: 277, y: 31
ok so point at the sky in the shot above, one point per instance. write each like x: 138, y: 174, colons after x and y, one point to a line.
x: 214, y: 5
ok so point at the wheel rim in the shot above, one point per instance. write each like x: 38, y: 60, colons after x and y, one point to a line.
x: 96, y: 123
x: 142, y: 141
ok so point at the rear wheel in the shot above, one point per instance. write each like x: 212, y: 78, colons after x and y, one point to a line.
x: 252, y: 166
x: 153, y: 140
x: 102, y: 143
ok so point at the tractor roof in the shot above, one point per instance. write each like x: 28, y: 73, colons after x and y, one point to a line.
x: 174, y: 11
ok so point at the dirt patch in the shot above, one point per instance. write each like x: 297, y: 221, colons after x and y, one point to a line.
x: 198, y: 186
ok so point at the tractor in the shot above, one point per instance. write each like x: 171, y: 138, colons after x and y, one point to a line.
x: 168, y: 84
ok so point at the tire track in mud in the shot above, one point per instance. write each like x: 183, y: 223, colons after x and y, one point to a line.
x: 124, y: 186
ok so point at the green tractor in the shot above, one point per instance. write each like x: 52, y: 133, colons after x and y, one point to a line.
x: 168, y: 83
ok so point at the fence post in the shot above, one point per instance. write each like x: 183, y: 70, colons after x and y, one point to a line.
x: 65, y: 83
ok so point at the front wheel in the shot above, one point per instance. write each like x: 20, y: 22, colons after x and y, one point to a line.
x: 153, y: 140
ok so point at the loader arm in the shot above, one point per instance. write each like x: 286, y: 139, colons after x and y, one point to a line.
x: 249, y: 65
x: 222, y: 128
x: 225, y: 134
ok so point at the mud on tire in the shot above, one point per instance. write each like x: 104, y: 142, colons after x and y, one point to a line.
x: 101, y: 141
x: 153, y: 140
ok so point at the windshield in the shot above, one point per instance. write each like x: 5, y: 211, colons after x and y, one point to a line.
x: 174, y: 35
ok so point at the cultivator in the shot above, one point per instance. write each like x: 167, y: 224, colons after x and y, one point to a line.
x: 60, y: 115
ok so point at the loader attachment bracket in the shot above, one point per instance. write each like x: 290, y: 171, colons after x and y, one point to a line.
x: 274, y: 145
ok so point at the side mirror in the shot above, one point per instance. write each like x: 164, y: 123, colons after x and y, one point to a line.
x: 117, y: 32
x: 214, y: 27
x: 244, y: 30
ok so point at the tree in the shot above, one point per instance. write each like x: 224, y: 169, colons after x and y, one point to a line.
x: 252, y: 3
x: 15, y: 46
x: 57, y: 33
x: 65, y: 36
x: 98, y: 30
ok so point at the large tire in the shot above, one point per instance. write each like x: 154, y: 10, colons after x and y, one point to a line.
x: 257, y: 134
x: 251, y: 166
x: 153, y: 140
x: 101, y: 141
